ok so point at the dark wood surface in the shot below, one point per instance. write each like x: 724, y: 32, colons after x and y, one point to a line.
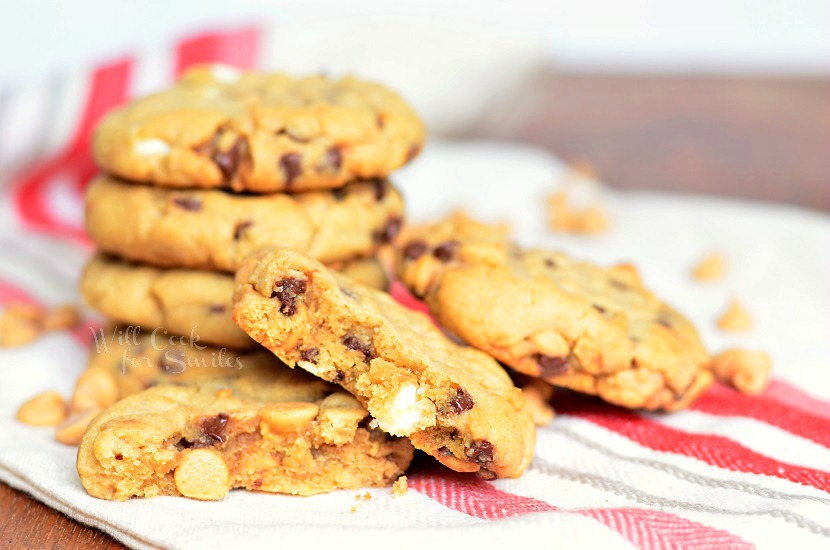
x: 766, y: 139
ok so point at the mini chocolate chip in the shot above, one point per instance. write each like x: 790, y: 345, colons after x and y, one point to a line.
x: 291, y: 166
x: 213, y: 431
x: 446, y: 251
x: 353, y: 342
x: 481, y: 452
x: 486, y: 475
x: 600, y: 308
x: 257, y: 484
x: 286, y: 291
x: 217, y: 308
x: 462, y: 401
x: 339, y: 376
x: 443, y: 451
x: 310, y: 355
x: 551, y: 365
x: 380, y: 189
x: 414, y: 250
x: 662, y: 321
x: 188, y: 203
x: 388, y: 233
x: 550, y: 263
x: 412, y: 152
x: 333, y: 159
x: 183, y: 444
x: 119, y: 456
x: 240, y: 228
x: 619, y: 285
x: 173, y: 361
x: 381, y: 120
x: 339, y: 194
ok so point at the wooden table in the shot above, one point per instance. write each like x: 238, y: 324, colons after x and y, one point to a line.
x: 756, y: 138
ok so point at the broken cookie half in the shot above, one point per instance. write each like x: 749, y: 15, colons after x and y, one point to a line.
x: 452, y: 401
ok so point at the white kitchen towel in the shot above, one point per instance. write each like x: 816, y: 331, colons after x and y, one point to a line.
x: 733, y: 471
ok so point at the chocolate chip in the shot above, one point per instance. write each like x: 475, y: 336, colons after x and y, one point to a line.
x: 388, y: 233
x: 188, y: 203
x: 353, y: 342
x: 381, y: 120
x: 480, y: 452
x: 217, y: 309
x: 310, y: 355
x: 291, y: 166
x: 339, y: 194
x: 550, y: 263
x: 257, y: 484
x: 462, y: 401
x: 119, y: 456
x: 230, y: 160
x: 662, y: 321
x: 286, y: 291
x: 240, y: 228
x: 414, y: 250
x: 338, y: 376
x: 412, y: 152
x: 485, y: 474
x: 446, y: 251
x: 333, y: 159
x: 599, y: 308
x: 213, y: 431
x: 443, y: 451
x: 380, y: 189
x: 551, y: 365
x: 173, y: 361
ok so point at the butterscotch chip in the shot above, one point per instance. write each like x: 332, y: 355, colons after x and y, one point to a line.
x: 736, y: 318
x: 20, y: 324
x: 46, y: 409
x: 400, y: 487
x: 538, y: 394
x: 747, y: 371
x: 452, y: 401
x: 71, y: 430
x: 710, y: 268
x: 202, y: 474
x: 63, y: 317
x: 95, y: 388
x: 545, y: 314
x: 287, y: 417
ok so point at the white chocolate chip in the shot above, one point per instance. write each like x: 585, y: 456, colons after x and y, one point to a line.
x: 403, y: 415
x: 151, y: 147
x: 225, y: 73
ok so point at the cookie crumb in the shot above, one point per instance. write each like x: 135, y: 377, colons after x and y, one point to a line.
x: 354, y: 508
x: 577, y: 208
x: 367, y: 496
x: 745, y: 370
x: 736, y: 318
x: 711, y: 267
x: 400, y: 487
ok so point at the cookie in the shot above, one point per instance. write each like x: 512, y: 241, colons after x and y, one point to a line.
x: 215, y: 230
x: 259, y: 132
x: 594, y: 330
x: 278, y: 431
x: 452, y: 401
x: 193, y: 303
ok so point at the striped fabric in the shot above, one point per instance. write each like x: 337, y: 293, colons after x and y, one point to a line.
x: 731, y: 472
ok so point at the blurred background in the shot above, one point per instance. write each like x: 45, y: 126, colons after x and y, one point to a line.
x: 729, y: 97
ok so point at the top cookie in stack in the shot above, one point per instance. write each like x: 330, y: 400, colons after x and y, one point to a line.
x: 225, y: 163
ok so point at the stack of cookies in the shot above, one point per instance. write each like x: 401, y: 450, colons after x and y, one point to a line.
x: 202, y: 175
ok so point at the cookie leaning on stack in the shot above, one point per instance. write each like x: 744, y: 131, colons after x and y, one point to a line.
x: 200, y: 176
